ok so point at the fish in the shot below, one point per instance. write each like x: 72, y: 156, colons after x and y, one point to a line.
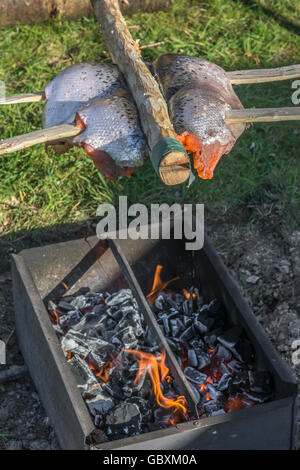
x: 95, y: 97
x: 198, y: 94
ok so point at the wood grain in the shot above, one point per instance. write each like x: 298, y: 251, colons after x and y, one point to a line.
x: 38, y: 137
x: 24, y: 98
x: 240, y: 77
x: 263, y: 115
x: 151, y: 105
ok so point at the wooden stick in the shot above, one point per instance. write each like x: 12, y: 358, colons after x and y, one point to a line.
x: 263, y: 115
x: 240, y: 77
x: 37, y: 137
x: 25, y: 98
x: 174, y: 167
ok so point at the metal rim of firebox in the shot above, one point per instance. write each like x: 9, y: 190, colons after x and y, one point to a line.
x: 81, y: 412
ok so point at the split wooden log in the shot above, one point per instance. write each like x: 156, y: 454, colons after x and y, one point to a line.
x: 241, y: 77
x: 15, y: 12
x: 38, y: 137
x: 169, y: 159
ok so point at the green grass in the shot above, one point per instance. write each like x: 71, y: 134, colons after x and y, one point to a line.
x: 39, y: 189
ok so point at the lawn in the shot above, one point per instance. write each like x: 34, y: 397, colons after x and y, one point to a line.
x: 39, y: 189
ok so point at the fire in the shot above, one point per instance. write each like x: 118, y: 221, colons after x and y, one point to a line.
x: 158, y: 285
x: 103, y: 372
x: 187, y: 294
x: 158, y: 372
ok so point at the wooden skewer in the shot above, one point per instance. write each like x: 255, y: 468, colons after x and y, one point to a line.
x: 24, y: 98
x: 37, y: 137
x: 63, y: 131
x: 263, y: 115
x: 241, y: 77
x: 171, y: 163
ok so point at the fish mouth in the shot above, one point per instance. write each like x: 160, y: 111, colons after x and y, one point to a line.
x: 205, y: 156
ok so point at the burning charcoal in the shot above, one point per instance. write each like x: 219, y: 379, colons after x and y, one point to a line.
x: 101, y: 404
x: 211, y: 407
x: 200, y: 327
x: 172, y: 344
x: 203, y: 359
x: 95, y: 349
x: 186, y: 308
x: 179, y: 299
x: 222, y: 353
x: 162, y: 417
x: 127, y: 391
x: 99, y: 309
x: 166, y: 324
x: 159, y: 302
x: 211, y: 338
x: 224, y: 382
x: 70, y: 319
x: 192, y: 358
x: 119, y: 298
x: 107, y: 388
x: 128, y: 338
x: 213, y: 392
x: 187, y: 321
x: 230, y: 338
x: 194, y: 375
x: 171, y: 302
x: 89, y: 320
x: 131, y: 318
x: 65, y: 305
x: 80, y: 302
x: 111, y: 323
x: 175, y: 327
x: 123, y: 421
x: 82, y: 372
x: 218, y: 412
x: 187, y: 335
x: 258, y: 397
x: 137, y: 386
x: 224, y: 369
x: 143, y: 406
x: 197, y: 343
x: 235, y: 365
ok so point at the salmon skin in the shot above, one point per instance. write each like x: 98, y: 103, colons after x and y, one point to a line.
x: 198, y: 94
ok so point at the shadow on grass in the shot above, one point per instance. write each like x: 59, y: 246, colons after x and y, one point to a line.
x: 293, y: 27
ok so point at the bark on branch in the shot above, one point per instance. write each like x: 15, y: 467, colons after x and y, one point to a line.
x: 174, y: 166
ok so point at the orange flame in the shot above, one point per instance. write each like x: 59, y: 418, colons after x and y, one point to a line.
x: 158, y: 372
x: 103, y: 372
x: 187, y: 295
x: 158, y: 285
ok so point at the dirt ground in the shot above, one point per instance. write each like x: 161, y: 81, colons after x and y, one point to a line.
x: 265, y: 262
